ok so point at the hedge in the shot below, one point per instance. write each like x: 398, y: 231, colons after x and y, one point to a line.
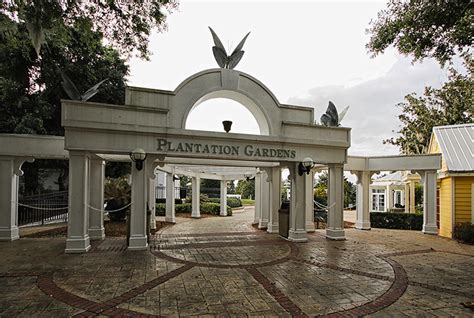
x: 232, y: 202
x: 464, y: 232
x: 400, y: 221
x: 176, y: 201
x: 205, y: 208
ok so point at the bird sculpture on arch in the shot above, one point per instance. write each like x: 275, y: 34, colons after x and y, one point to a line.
x: 220, y: 54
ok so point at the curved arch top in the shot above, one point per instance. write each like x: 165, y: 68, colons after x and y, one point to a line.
x: 224, y: 83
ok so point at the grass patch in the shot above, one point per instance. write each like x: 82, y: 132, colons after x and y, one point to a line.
x: 247, y: 202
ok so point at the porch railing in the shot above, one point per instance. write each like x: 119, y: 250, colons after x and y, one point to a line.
x: 43, y: 208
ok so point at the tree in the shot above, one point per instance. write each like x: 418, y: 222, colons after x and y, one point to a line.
x: 451, y: 104
x: 124, y: 24
x: 231, y: 187
x: 246, y: 188
x: 321, y: 190
x: 438, y: 29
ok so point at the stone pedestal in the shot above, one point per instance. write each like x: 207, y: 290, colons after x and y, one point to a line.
x: 96, y: 199
x: 335, y: 226
x: 152, y: 202
x: 78, y: 240
x: 258, y: 198
x: 265, y: 206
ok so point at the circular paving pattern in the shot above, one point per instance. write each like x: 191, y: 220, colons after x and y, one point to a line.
x: 269, y: 262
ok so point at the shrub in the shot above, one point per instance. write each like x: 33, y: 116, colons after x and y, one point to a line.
x: 401, y: 221
x: 213, y: 208
x: 160, y: 209
x: 183, y: 208
x: 176, y: 201
x: 248, y: 202
x: 464, y: 232
x: 234, y: 202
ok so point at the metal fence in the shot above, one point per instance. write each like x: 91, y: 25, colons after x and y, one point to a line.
x: 43, y: 208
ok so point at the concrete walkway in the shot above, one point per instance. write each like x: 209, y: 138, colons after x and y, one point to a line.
x: 223, y: 267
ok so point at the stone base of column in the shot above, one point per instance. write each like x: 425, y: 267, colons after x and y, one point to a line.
x: 75, y: 245
x: 153, y: 225
x: 430, y: 229
x: 96, y: 234
x: 272, y: 228
x: 297, y: 236
x: 170, y: 219
x: 360, y: 225
x: 263, y: 224
x: 196, y: 215
x: 223, y: 213
x: 310, y: 227
x: 337, y: 235
x: 138, y: 243
x: 9, y: 234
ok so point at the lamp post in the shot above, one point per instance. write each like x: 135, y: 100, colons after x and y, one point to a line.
x: 138, y: 156
x: 305, y: 166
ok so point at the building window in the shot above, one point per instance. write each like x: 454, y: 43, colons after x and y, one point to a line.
x: 378, y: 200
x: 397, y: 197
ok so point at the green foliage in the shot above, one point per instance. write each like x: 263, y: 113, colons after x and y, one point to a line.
x: 321, y: 186
x: 117, y: 195
x: 464, y: 232
x: 205, y: 208
x: 183, y: 208
x: 401, y: 221
x: 231, y: 187
x: 211, y: 188
x: 246, y: 188
x: 117, y: 169
x: 213, y: 208
x: 30, y: 87
x: 160, y: 209
x: 437, y: 29
x: 234, y: 202
x: 125, y: 26
x: 247, y: 202
x: 451, y: 104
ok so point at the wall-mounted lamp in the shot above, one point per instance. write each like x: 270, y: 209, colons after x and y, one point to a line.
x: 138, y: 156
x: 227, y: 125
x: 175, y: 177
x: 305, y: 166
x: 249, y: 176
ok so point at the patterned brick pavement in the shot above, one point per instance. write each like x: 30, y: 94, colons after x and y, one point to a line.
x: 247, y: 273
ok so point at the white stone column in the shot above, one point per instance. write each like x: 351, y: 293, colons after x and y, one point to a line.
x: 412, y: 196
x: 223, y: 198
x: 258, y: 198
x: 152, y: 202
x: 309, y: 205
x: 196, y: 192
x: 362, y: 203
x: 335, y: 226
x: 389, y: 198
x: 170, y: 196
x: 265, y: 206
x: 96, y: 199
x: 297, y: 231
x: 78, y: 240
x: 429, y: 202
x: 10, y: 171
x: 407, y: 197
x: 138, y: 218
x: 275, y: 199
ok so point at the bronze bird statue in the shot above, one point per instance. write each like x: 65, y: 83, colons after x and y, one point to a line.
x: 220, y: 54
x: 331, y: 118
x: 72, y: 91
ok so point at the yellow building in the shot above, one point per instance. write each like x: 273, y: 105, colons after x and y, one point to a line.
x: 455, y: 203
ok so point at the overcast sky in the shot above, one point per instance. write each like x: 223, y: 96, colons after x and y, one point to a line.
x: 306, y: 53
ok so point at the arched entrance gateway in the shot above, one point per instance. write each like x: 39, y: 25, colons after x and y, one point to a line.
x: 154, y: 120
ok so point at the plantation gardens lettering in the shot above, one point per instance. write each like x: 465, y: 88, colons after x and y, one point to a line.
x: 216, y: 149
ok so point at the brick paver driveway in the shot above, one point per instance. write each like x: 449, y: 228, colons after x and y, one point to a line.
x: 223, y: 267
